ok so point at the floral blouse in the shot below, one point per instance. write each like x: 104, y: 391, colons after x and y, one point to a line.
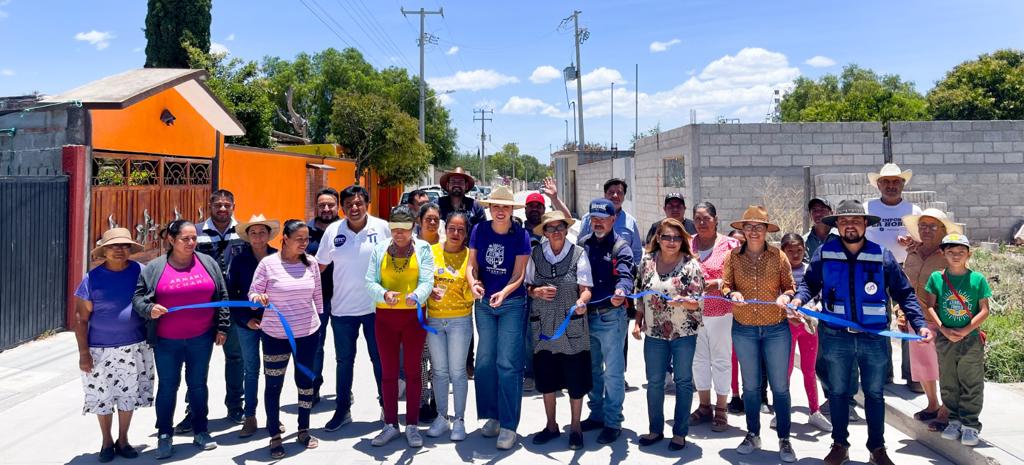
x: 665, y: 321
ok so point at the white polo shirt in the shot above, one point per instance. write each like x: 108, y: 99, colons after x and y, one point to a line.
x: 350, y: 253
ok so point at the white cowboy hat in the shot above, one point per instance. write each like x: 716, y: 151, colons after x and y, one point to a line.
x: 912, y: 222
x: 552, y: 217
x: 112, y: 237
x: 890, y: 170
x: 243, y: 229
x: 501, y: 195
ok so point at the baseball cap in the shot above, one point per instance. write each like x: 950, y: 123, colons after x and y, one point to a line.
x: 955, y: 239
x: 535, y: 197
x: 602, y: 208
x: 675, y: 196
x: 401, y: 218
x: 820, y: 200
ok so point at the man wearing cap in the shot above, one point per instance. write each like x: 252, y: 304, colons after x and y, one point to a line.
x: 675, y: 207
x: 455, y: 184
x: 611, y: 263
x: 859, y: 276
x: 625, y: 224
x: 820, y: 233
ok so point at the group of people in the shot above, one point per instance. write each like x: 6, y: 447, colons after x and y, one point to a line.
x: 448, y: 292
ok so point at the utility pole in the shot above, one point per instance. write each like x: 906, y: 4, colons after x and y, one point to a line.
x: 483, y: 139
x: 636, y: 104
x: 422, y: 42
x: 579, y: 36
x: 612, y: 144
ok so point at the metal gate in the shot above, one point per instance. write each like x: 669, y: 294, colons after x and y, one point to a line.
x: 33, y: 256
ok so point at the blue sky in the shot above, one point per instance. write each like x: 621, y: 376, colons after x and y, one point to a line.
x: 716, y: 57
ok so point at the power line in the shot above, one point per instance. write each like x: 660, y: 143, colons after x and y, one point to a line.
x: 352, y: 39
x: 314, y: 13
x: 376, y: 27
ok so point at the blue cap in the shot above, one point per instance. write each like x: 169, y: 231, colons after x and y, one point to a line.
x: 602, y: 208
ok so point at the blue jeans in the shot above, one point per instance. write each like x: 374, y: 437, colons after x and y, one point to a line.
x: 658, y: 354
x: 842, y: 349
x: 249, y: 341
x: 170, y: 355
x: 607, y: 366
x: 771, y: 344
x: 821, y: 369
x: 318, y: 358
x: 448, y: 350
x: 346, y: 334
x: 499, y: 361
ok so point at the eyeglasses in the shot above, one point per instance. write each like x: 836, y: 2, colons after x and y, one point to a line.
x: 452, y: 230
x: 671, y: 238
x: 556, y: 228
x: 432, y: 219
x: 755, y: 228
x: 929, y: 227
x: 120, y: 246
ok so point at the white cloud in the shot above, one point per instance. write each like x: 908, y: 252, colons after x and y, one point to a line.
x: 453, y: 50
x: 600, y: 77
x: 546, y: 73
x: 230, y: 37
x: 3, y: 14
x: 445, y: 99
x: 819, y: 61
x: 529, y: 106
x: 138, y: 49
x: 100, y: 40
x: 219, y: 49
x: 663, y: 46
x: 486, y: 104
x: 477, y: 79
x: 6, y: 72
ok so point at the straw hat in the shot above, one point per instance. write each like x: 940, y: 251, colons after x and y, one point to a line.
x: 890, y: 170
x: 912, y: 222
x: 851, y: 207
x: 243, y: 229
x: 501, y: 195
x: 755, y: 214
x: 458, y: 171
x: 112, y: 237
x: 552, y: 217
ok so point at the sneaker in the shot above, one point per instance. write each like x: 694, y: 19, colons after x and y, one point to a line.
x: 854, y: 416
x: 968, y: 436
x: 838, y: 455
x: 749, y: 445
x: 545, y: 436
x: 458, y: 430
x: 204, y: 441
x: 736, y: 405
x: 249, y: 427
x: 412, y: 436
x: 164, y: 447
x: 386, y: 435
x: 438, y: 427
x: 819, y: 421
x: 529, y: 385
x: 952, y: 431
x: 338, y: 420
x: 786, y: 453
x: 107, y: 454
x: 767, y: 409
x: 184, y: 426
x: 825, y: 409
x: 236, y: 416
x: 491, y: 428
x: 775, y: 422
x: 506, y: 439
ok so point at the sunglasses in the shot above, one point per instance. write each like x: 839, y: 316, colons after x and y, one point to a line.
x: 671, y: 238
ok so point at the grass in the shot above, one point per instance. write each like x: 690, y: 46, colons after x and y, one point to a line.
x: 1004, y: 353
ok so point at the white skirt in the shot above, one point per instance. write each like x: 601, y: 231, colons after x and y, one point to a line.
x: 121, y: 378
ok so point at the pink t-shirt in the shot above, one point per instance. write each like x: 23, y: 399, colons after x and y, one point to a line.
x: 294, y: 289
x: 192, y: 285
x: 714, y: 266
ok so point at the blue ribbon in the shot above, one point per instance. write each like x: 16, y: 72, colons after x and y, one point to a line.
x: 419, y: 316
x: 246, y: 304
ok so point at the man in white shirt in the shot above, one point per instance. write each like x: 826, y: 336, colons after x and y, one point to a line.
x: 347, y: 244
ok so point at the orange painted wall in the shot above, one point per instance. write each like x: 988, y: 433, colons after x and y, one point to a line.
x: 138, y: 128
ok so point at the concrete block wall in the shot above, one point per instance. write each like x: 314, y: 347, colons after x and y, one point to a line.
x: 590, y: 180
x: 649, y: 193
x: 35, y: 147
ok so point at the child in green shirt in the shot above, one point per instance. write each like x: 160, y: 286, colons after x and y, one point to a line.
x: 957, y: 298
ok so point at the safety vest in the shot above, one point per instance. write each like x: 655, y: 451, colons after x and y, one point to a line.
x: 855, y: 290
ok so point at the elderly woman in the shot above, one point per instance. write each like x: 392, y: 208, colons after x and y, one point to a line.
x: 256, y: 233
x: 928, y: 229
x: 116, y: 361
x: 559, y: 280
x: 401, y: 274
x: 671, y: 326
x: 182, y: 277
x: 291, y: 281
x: 712, y: 365
x: 499, y: 250
x: 759, y: 271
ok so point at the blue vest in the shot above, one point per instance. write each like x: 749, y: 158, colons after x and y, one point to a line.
x: 855, y: 290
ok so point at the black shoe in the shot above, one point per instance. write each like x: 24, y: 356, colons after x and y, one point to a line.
x: 608, y: 435
x: 575, y: 440
x: 107, y: 454
x: 338, y: 420
x: 184, y: 426
x: 736, y: 405
x: 674, y: 446
x: 647, y: 441
x: 236, y: 416
x: 591, y: 425
x: 545, y: 435
x: 428, y: 412
x: 127, y: 451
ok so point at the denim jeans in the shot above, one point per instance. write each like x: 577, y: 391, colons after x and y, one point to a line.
x: 499, y: 361
x: 607, y: 366
x: 841, y: 349
x: 249, y: 342
x: 772, y: 344
x: 821, y: 369
x: 318, y: 358
x: 170, y: 355
x: 233, y: 376
x: 448, y: 349
x: 346, y: 334
x: 658, y: 355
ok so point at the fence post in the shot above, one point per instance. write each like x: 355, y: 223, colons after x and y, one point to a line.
x: 808, y: 193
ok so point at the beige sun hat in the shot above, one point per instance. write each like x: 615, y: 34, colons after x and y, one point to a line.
x: 890, y: 170
x: 553, y: 216
x: 112, y: 237
x: 755, y: 214
x: 243, y: 228
x: 501, y: 195
x: 912, y: 222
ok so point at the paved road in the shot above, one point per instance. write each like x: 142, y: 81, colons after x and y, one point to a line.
x: 40, y: 416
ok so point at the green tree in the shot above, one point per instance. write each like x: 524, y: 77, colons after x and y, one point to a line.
x: 244, y: 92
x: 858, y: 94
x: 378, y: 135
x: 991, y: 87
x: 172, y: 23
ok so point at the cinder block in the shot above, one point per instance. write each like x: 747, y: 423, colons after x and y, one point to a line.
x: 801, y: 160
x: 751, y: 128
x: 942, y: 178
x: 842, y: 159
x: 994, y: 158
x: 821, y: 138
x: 771, y: 149
x: 832, y: 149
x: 852, y: 149
x: 992, y: 136
x: 861, y: 138
x: 982, y: 147
x: 953, y: 158
x: 729, y: 150
x: 762, y: 138
x: 750, y: 149
x: 902, y: 148
x: 719, y: 139
x: 789, y: 149
x: 782, y: 160
x: 988, y: 178
x: 1005, y: 178
x: 913, y: 159
x: 810, y: 149
x: 719, y: 162
x: 739, y: 161
x: 823, y: 160
x: 739, y: 139
x: 1002, y: 146
x: 942, y: 147
x: 806, y: 139
x: 964, y: 147
x: 961, y: 125
x: 1015, y: 157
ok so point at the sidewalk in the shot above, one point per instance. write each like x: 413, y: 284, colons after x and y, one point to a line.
x: 40, y: 407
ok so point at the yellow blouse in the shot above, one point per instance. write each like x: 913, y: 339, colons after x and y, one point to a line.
x: 399, y: 274
x: 450, y: 275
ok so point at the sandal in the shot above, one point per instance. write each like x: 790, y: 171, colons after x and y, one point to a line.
x: 925, y: 415
x: 720, y: 422
x: 701, y: 415
x: 937, y: 426
x: 276, y: 448
x: 307, y: 439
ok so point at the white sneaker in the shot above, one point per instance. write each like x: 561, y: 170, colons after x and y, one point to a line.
x: 786, y: 453
x: 506, y: 439
x: 412, y: 436
x: 968, y: 436
x: 952, y: 431
x: 819, y: 421
x: 401, y: 389
x: 386, y: 435
x: 438, y: 427
x: 775, y: 422
x: 458, y: 430
x: 490, y: 428
x: 749, y: 445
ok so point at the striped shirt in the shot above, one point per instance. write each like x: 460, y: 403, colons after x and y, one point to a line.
x: 295, y: 290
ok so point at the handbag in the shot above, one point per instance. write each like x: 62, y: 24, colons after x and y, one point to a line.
x: 981, y: 334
